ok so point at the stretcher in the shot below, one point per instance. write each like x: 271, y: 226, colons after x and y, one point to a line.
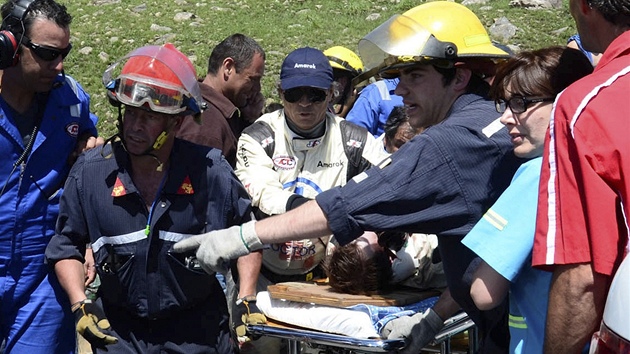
x: 329, y: 343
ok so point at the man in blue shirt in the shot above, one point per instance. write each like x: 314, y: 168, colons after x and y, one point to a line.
x: 376, y: 101
x: 45, y: 122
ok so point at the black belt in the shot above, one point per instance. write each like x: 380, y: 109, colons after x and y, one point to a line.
x: 315, y: 273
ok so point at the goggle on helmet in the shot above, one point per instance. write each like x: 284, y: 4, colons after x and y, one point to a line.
x: 138, y: 91
x: 159, y: 78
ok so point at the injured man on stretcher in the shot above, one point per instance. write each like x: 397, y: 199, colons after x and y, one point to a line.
x: 377, y: 264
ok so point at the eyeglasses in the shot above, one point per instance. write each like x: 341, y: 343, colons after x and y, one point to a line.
x: 518, y: 104
x: 164, y: 98
x: 312, y: 94
x: 45, y: 52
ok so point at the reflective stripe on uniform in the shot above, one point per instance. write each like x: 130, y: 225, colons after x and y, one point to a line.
x: 492, y: 128
x: 173, y: 236
x: 118, y: 240
x: 517, y: 322
x: 75, y: 109
x: 135, y: 237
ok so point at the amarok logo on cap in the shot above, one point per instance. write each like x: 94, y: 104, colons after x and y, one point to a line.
x: 305, y: 66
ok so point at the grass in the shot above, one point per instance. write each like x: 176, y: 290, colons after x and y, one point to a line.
x: 112, y: 28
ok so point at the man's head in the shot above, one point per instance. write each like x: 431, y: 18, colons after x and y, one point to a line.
x: 306, y: 79
x: 397, y: 129
x: 599, y: 22
x: 34, y: 41
x: 235, y: 68
x: 439, y: 49
x: 370, y: 264
x: 361, y: 267
x: 346, y: 65
x: 157, y: 86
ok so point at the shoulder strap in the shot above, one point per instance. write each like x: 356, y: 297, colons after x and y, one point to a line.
x: 354, y: 138
x: 263, y: 134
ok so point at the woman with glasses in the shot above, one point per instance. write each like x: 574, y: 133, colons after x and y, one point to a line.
x: 524, y: 90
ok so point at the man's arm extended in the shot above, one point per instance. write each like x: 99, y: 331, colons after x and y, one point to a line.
x: 215, y: 248
x: 306, y: 221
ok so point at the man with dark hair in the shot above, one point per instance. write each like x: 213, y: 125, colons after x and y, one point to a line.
x: 232, y: 89
x: 45, y: 124
x: 440, y: 182
x: 582, y: 222
x: 133, y: 199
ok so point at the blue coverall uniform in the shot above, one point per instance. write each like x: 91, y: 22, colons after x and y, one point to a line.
x: 156, y: 300
x: 440, y: 182
x: 35, y: 316
x: 373, y: 106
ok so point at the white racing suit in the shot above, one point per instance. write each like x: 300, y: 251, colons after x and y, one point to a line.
x: 297, y: 168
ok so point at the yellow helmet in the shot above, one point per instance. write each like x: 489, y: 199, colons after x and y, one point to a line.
x: 439, y: 33
x: 452, y: 22
x: 343, y: 58
x: 402, y: 41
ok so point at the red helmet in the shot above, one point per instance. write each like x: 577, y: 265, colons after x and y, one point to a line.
x: 158, y: 77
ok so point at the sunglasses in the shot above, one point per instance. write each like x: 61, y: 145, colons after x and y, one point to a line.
x: 312, y: 94
x: 519, y: 104
x: 45, y: 52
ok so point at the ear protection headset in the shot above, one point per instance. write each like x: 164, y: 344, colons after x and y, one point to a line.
x: 11, y: 34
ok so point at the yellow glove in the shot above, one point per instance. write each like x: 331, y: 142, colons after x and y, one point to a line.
x: 246, y: 312
x: 90, y: 321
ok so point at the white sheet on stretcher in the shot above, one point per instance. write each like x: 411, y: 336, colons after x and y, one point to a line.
x: 359, y: 321
x: 317, y: 317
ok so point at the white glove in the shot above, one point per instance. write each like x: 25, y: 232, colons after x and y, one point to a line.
x: 418, y: 330
x: 216, y: 248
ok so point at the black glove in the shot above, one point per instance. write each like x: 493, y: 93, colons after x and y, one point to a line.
x: 418, y: 330
x: 90, y: 320
x: 246, y: 312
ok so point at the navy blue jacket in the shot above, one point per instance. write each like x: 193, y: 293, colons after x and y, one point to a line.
x: 440, y: 182
x: 138, y: 271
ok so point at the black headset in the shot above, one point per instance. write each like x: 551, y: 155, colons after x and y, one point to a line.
x: 11, y: 33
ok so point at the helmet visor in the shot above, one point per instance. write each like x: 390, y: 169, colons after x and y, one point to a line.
x: 160, y: 97
x: 401, y: 40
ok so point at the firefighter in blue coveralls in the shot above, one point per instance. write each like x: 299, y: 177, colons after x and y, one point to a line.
x: 44, y: 123
x: 440, y: 182
x: 133, y: 199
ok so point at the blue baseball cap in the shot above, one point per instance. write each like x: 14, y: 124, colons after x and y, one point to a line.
x: 306, y: 67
